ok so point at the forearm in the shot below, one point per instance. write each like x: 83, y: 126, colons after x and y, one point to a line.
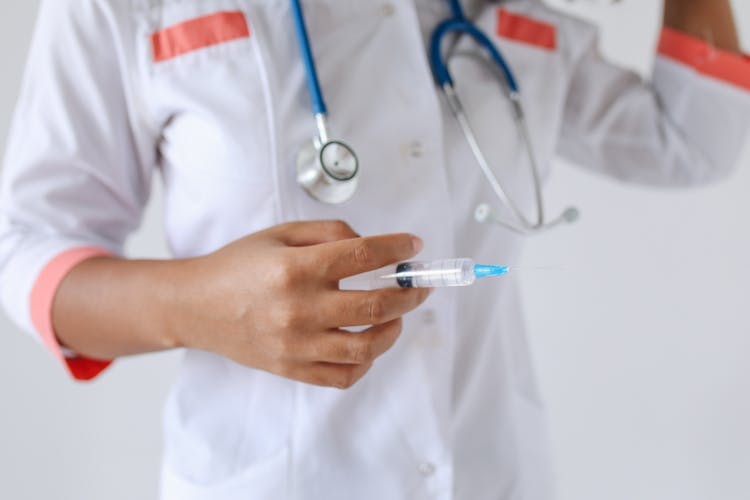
x: 270, y: 301
x: 709, y: 20
x: 107, y: 307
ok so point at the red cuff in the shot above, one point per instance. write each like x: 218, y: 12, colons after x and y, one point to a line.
x: 42, y: 295
x: 705, y: 59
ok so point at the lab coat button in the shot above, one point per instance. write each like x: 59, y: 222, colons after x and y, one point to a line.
x: 414, y: 149
x: 429, y: 317
x: 388, y: 9
x: 426, y: 469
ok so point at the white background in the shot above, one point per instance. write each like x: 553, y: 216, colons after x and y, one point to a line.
x: 641, y: 335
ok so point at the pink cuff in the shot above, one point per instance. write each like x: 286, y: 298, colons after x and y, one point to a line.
x: 42, y: 295
x: 705, y: 59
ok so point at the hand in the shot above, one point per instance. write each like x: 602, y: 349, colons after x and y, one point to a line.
x: 709, y: 20
x: 271, y: 301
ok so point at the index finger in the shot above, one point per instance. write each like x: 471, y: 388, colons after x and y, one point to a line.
x: 308, y: 233
x: 359, y: 255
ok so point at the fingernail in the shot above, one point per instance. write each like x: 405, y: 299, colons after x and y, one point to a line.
x: 417, y: 243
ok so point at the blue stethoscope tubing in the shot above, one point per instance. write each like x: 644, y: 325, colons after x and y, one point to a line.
x: 459, y: 24
x: 311, y: 71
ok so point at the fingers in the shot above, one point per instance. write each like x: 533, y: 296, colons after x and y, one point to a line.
x: 360, y: 348
x: 331, y: 375
x: 356, y: 308
x: 341, y: 358
x: 341, y: 259
x: 307, y: 233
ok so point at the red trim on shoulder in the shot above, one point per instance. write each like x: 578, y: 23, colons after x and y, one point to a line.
x: 525, y: 29
x: 705, y: 59
x: 198, y: 33
x: 43, y: 294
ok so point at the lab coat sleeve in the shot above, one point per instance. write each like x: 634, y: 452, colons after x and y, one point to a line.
x: 685, y: 127
x: 76, y: 172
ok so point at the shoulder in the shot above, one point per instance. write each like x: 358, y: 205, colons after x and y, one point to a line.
x: 88, y: 11
x: 86, y: 23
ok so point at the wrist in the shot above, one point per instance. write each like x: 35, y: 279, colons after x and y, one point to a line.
x: 176, y: 301
x: 709, y: 20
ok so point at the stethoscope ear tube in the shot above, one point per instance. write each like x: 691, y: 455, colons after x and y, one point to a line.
x: 458, y: 24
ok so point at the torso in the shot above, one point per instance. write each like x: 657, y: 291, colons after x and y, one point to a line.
x: 452, y: 409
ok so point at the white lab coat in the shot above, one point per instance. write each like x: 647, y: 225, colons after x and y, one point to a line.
x: 452, y: 411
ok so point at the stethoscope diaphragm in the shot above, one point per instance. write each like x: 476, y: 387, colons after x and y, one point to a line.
x: 328, y: 172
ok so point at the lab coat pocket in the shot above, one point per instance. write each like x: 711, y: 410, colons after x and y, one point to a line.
x: 262, y: 481
x: 206, y: 89
x: 227, y: 431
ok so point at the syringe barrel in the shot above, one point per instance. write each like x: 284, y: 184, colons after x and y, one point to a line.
x: 419, y: 274
x: 435, y: 274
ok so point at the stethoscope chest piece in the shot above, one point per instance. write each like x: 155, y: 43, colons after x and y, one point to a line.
x: 326, y: 169
x: 328, y: 172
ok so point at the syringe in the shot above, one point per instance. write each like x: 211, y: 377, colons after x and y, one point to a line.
x: 432, y: 274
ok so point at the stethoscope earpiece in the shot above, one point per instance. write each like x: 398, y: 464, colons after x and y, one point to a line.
x: 571, y: 215
x: 483, y: 213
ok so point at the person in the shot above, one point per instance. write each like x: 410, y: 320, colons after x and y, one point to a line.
x: 276, y: 398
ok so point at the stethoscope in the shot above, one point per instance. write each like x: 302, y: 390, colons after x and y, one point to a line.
x: 328, y: 169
